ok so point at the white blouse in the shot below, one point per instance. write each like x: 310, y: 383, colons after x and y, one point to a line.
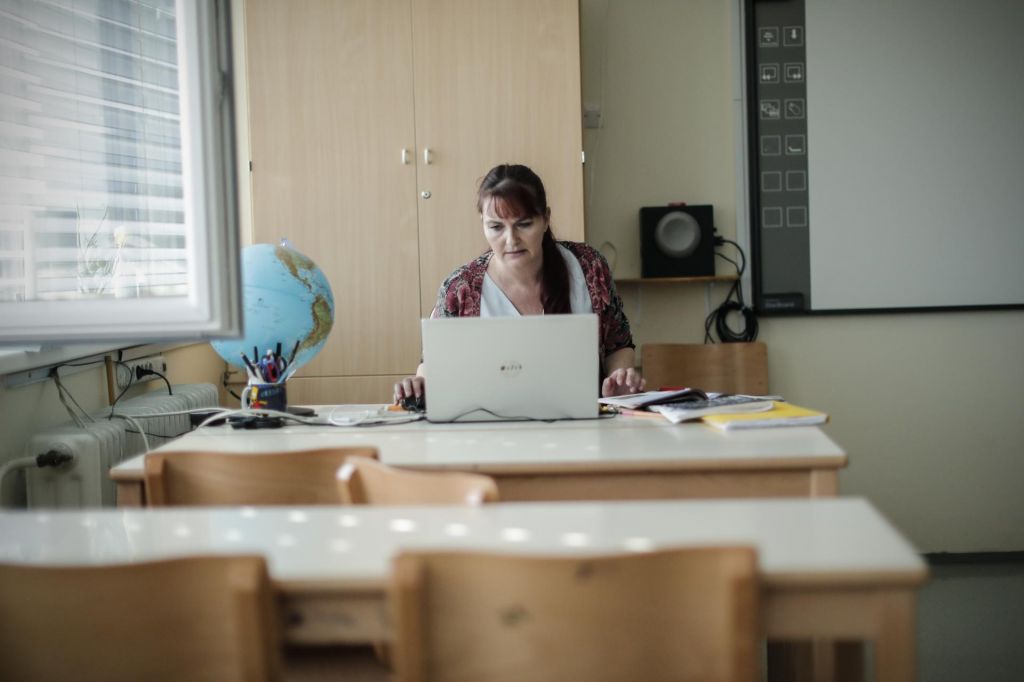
x: 494, y: 302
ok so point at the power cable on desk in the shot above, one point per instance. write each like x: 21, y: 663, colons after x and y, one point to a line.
x: 718, y: 319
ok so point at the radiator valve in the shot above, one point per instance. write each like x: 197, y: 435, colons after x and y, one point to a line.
x: 53, y: 458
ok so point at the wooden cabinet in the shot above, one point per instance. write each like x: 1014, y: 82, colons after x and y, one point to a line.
x: 371, y: 124
x: 495, y: 82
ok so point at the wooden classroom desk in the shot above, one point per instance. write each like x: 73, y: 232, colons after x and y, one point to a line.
x: 831, y: 568
x: 621, y: 458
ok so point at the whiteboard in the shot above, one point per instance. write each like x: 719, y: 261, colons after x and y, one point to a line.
x: 915, y: 120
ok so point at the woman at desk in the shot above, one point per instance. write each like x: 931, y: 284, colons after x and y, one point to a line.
x: 527, y: 272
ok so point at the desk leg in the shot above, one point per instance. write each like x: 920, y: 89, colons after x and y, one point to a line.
x: 818, y: 634
x: 896, y: 640
x: 131, y: 494
x: 849, y: 661
x: 824, y: 483
x: 789, y: 662
x: 820, y: 660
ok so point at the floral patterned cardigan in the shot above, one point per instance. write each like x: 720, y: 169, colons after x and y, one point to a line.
x: 459, y: 295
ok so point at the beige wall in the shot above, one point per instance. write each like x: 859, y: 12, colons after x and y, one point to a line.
x: 659, y: 72
x: 927, y: 405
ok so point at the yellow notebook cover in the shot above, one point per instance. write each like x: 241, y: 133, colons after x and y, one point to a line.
x: 781, y: 414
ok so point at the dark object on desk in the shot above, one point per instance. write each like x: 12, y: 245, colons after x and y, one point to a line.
x: 197, y: 418
x: 255, y: 421
x: 414, y: 403
x: 300, y: 411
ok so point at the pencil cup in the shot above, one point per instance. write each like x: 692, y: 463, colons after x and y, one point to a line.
x: 265, y: 397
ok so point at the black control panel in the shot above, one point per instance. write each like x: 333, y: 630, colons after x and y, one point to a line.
x: 779, y: 181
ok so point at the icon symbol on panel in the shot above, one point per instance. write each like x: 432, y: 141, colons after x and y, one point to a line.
x: 793, y: 36
x: 795, y: 72
x: 770, y: 110
x: 768, y: 36
x: 771, y: 145
x: 796, y: 145
x: 795, y: 108
x: 769, y: 73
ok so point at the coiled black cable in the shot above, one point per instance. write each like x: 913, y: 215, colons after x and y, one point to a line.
x: 718, y: 319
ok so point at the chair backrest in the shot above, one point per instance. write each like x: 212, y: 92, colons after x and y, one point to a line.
x: 688, y: 614
x: 218, y: 478
x: 197, y: 618
x: 365, y: 481
x: 721, y: 367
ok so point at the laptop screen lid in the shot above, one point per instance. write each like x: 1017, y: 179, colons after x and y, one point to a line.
x: 502, y: 368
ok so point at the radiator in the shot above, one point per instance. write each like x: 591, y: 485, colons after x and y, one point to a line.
x: 104, y: 443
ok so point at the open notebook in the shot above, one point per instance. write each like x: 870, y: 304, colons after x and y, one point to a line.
x: 511, y: 368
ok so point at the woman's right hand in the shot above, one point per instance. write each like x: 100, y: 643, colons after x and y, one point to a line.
x: 410, y: 387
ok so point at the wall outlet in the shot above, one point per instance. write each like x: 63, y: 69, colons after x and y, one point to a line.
x: 125, y: 373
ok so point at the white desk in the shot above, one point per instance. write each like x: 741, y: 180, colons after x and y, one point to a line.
x: 620, y: 458
x: 831, y: 568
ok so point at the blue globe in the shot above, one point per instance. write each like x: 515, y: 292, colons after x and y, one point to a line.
x: 286, y: 299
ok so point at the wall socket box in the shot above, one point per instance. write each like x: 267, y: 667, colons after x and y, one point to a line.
x: 125, y: 374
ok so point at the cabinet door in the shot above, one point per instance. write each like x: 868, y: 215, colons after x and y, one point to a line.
x: 496, y: 82
x: 331, y: 110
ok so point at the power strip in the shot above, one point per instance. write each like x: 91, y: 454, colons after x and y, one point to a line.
x: 126, y: 372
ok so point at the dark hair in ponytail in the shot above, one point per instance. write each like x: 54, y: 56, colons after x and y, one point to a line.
x: 518, y: 191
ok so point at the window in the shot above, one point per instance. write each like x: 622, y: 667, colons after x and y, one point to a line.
x: 118, y: 210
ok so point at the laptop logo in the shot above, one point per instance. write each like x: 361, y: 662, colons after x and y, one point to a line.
x: 511, y: 369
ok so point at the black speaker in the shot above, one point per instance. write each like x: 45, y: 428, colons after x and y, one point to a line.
x: 677, y: 241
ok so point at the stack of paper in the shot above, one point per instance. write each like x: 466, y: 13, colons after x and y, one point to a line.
x: 686, y: 404
x: 781, y: 414
x: 639, y: 401
x: 726, y: 404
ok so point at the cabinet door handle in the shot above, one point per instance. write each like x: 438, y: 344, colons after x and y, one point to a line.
x: 427, y: 155
x: 405, y: 156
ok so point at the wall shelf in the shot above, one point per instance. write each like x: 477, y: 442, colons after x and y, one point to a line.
x: 676, y: 280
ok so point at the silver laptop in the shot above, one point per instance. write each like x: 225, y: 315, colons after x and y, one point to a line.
x: 511, y: 368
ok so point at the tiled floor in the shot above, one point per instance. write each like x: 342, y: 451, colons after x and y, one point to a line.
x: 971, y: 622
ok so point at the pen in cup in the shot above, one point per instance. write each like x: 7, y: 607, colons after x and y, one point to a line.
x: 268, y: 367
x: 289, y: 367
x: 254, y: 373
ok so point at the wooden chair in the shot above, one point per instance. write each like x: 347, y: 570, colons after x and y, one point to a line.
x: 721, y: 367
x: 197, y: 618
x: 218, y: 478
x: 365, y: 481
x: 686, y: 614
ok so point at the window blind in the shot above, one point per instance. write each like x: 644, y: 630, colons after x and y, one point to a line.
x: 91, y: 193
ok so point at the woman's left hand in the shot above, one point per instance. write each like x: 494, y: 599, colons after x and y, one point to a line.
x: 621, y: 382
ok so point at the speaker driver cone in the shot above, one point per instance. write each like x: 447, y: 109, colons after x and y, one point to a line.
x: 677, y: 234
